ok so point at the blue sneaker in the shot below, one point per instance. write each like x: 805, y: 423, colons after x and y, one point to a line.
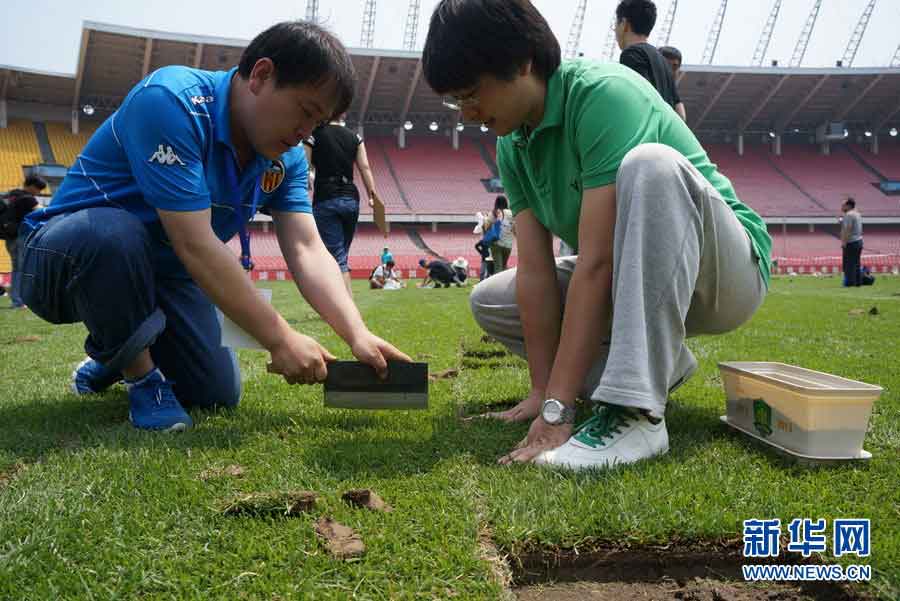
x: 154, y: 406
x: 91, y: 377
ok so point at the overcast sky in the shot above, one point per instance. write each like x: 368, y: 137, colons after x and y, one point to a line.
x: 44, y: 35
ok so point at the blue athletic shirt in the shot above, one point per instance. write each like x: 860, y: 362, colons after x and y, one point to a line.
x: 166, y: 148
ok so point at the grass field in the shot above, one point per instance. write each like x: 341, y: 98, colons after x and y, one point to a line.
x: 92, y: 509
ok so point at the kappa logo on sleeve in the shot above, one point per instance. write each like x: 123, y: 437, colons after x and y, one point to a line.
x: 165, y: 156
x: 272, y: 177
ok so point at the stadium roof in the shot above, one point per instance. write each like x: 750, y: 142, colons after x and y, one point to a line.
x: 391, y: 89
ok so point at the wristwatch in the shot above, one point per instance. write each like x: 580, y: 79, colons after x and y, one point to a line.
x: 555, y: 413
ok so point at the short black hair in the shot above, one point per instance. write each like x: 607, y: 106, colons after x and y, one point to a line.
x: 641, y: 14
x: 471, y: 38
x: 35, y: 181
x: 851, y: 202
x: 501, y: 203
x: 670, y: 52
x: 303, y: 53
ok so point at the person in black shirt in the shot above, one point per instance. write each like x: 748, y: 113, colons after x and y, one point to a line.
x: 332, y: 150
x: 19, y: 202
x: 441, y: 272
x: 634, y: 22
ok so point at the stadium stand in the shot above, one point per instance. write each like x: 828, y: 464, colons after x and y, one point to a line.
x: 830, y: 179
x: 758, y: 184
x: 886, y: 162
x: 438, y: 180
x: 66, y: 145
x: 18, y: 147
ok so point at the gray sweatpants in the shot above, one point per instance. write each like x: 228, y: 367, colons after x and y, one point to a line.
x: 683, y: 266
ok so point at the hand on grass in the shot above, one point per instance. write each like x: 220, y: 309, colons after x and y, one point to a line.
x: 541, y: 437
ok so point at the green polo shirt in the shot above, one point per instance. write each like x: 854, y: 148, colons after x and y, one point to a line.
x: 594, y: 113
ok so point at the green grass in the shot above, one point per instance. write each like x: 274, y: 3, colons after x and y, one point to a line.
x: 97, y: 510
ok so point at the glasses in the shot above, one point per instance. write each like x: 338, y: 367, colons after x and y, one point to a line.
x: 458, y: 103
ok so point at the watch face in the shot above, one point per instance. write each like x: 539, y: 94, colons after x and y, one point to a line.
x: 552, y: 412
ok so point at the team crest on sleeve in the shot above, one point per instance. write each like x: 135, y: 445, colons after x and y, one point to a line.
x: 272, y: 177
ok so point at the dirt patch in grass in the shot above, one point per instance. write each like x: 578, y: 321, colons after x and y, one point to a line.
x: 23, y: 339
x: 234, y: 471
x: 364, y: 498
x: 686, y: 572
x: 485, y: 354
x: 291, y: 503
x: 341, y: 541
x: 444, y: 375
x: 9, y: 474
x: 699, y: 589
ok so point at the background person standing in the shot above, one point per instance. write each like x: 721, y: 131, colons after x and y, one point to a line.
x: 332, y: 151
x: 851, y: 242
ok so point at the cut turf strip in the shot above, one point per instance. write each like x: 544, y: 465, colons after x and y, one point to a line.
x: 235, y: 471
x: 366, y: 499
x: 341, y: 541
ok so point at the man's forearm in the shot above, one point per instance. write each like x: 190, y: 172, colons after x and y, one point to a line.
x: 368, y: 179
x: 320, y: 282
x: 537, y: 294
x: 585, y: 327
x: 219, y: 274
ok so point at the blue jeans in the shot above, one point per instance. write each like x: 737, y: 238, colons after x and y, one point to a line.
x: 336, y: 220
x: 95, y: 266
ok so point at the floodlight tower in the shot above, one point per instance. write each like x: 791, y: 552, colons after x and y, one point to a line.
x: 763, y: 45
x: 312, y: 10
x: 367, y: 38
x: 411, y: 31
x: 610, y: 47
x: 575, y: 31
x: 712, y: 41
x: 895, y: 62
x: 858, y: 33
x: 803, y: 40
x: 665, y: 31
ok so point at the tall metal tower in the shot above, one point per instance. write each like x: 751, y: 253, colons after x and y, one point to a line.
x: 610, y: 47
x: 312, y: 10
x: 858, y: 33
x: 763, y: 45
x: 367, y: 38
x: 713, y: 40
x: 662, y: 38
x: 575, y: 31
x: 803, y: 40
x: 895, y: 62
x: 411, y: 31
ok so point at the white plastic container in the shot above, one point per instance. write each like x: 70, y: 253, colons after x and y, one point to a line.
x: 808, y: 414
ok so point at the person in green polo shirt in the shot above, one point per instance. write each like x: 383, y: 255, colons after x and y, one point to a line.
x: 591, y: 153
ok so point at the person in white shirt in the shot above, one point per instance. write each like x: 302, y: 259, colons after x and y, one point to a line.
x: 385, y: 277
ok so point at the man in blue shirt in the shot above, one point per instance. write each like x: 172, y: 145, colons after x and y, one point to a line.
x: 133, y: 244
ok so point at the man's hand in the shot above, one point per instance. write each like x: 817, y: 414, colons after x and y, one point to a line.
x: 372, y: 350
x: 541, y: 437
x: 373, y: 198
x: 300, y: 360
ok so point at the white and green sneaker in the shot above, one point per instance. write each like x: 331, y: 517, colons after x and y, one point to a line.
x: 613, y: 435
